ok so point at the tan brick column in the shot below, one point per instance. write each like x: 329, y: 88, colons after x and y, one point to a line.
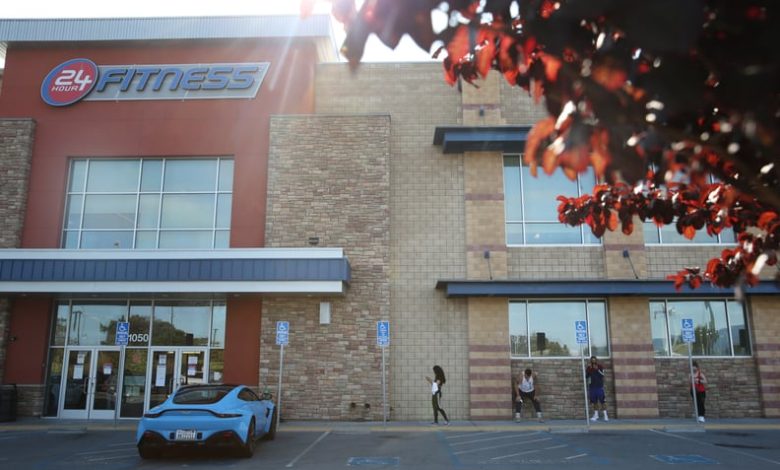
x: 766, y: 331
x: 490, y: 371
x: 617, y: 265
x: 486, y: 258
x: 633, y: 364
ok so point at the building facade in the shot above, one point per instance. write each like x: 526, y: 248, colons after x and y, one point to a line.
x: 231, y: 175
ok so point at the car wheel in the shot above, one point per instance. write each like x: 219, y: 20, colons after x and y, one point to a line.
x: 248, y: 449
x: 271, y: 434
x: 146, y: 453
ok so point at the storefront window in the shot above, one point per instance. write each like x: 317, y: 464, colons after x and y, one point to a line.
x: 181, y: 324
x: 140, y: 323
x: 720, y: 327
x: 148, y: 203
x: 134, y: 383
x: 60, y: 326
x: 53, y: 380
x: 546, y: 328
x: 95, y: 324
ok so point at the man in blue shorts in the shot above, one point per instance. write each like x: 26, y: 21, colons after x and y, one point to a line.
x: 595, y: 376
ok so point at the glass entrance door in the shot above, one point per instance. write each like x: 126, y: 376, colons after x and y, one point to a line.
x: 173, y: 367
x: 90, y: 384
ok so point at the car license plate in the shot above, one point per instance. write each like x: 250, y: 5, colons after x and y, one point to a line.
x: 186, y: 435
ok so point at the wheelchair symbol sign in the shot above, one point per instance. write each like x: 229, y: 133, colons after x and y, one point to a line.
x: 581, y: 331
x: 687, y: 323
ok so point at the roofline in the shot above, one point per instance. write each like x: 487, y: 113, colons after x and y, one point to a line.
x: 47, y: 30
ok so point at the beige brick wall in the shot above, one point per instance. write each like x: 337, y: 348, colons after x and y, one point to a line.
x: 16, y: 142
x: 633, y: 363
x: 339, y: 193
x: 560, y: 384
x: 551, y: 262
x: 766, y: 348
x: 517, y: 106
x: 732, y: 390
x: 426, y: 224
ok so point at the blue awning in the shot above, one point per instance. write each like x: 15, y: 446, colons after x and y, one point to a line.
x: 588, y: 288
x: 459, y: 139
x: 289, y: 270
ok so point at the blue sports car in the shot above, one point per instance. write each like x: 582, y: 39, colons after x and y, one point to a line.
x: 212, y: 415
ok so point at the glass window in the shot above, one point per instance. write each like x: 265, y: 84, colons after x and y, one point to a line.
x: 667, y: 234
x: 190, y: 175
x: 658, y: 328
x: 95, y: 324
x: 181, y: 324
x: 518, y: 329
x: 60, y: 327
x: 531, y: 206
x: 739, y: 332
x: 53, y: 382
x: 218, y: 326
x: 134, y: 382
x: 216, y: 365
x: 140, y: 322
x: 112, y: 176
x: 187, y: 211
x: 111, y: 210
x: 720, y: 327
x: 546, y: 328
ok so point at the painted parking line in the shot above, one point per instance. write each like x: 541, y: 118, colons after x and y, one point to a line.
x: 733, y: 451
x: 95, y: 452
x: 306, y: 450
x: 528, y: 452
x: 100, y: 459
x: 510, y: 436
x: 472, y: 435
x: 471, y: 451
x: 572, y: 457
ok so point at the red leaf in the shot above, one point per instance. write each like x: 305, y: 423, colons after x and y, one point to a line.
x: 460, y: 44
x: 551, y: 66
x: 689, y: 232
x: 612, y: 223
x: 610, y: 77
x: 540, y: 132
x: 486, y: 39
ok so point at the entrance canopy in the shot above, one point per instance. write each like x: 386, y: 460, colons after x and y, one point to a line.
x: 252, y: 270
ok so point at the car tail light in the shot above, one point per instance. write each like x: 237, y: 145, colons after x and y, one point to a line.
x: 227, y: 415
x: 152, y: 415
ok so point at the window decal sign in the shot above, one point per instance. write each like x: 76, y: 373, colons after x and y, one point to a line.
x: 82, y: 79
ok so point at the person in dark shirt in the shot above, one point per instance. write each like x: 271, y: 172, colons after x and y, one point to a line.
x: 595, y: 377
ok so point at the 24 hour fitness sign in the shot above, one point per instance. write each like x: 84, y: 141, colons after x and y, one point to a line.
x: 82, y: 79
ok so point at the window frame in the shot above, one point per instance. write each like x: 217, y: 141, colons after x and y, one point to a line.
x: 217, y: 232
x: 725, y: 301
x: 586, y: 351
x: 523, y: 222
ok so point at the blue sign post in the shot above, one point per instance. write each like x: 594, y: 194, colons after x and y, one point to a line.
x: 383, y: 341
x: 282, y: 339
x: 689, y: 337
x: 581, y: 334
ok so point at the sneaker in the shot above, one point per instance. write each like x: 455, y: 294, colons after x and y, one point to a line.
x: 539, y: 417
x: 606, y: 418
x: 594, y: 418
x: 701, y: 419
x: 446, y: 423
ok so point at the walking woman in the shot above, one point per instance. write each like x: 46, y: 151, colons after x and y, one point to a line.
x: 437, y: 383
x: 700, y: 386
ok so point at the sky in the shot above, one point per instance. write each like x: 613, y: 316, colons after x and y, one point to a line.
x: 375, y: 50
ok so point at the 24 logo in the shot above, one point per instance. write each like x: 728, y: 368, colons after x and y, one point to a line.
x: 69, y: 82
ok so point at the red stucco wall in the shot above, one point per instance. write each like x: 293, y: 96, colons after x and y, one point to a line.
x: 237, y: 128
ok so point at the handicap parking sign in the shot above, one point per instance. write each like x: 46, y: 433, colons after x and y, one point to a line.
x: 687, y: 331
x: 282, y: 333
x: 382, y: 333
x: 581, y: 330
x: 122, y: 333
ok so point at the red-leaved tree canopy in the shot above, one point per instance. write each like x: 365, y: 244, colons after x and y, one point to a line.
x: 656, y: 95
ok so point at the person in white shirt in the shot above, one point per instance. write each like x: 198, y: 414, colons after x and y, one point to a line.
x: 436, y: 384
x: 525, y: 389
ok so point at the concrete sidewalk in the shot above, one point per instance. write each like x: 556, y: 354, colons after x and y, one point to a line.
x: 554, y: 426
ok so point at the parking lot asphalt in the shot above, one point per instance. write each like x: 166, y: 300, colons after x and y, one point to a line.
x: 47, y: 444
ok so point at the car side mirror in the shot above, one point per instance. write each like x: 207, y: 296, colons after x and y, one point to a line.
x: 266, y: 396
